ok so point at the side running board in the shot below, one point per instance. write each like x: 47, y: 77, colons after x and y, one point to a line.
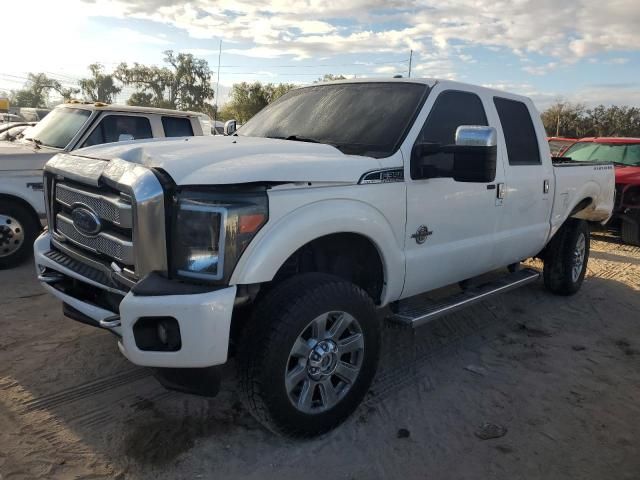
x: 418, y: 311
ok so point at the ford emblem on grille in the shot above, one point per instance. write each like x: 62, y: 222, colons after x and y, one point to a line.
x: 86, y: 221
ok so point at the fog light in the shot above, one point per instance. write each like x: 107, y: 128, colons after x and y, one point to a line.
x: 163, y: 335
x: 160, y: 334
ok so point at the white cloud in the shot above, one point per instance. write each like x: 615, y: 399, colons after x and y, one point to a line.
x: 308, y: 28
x: 540, y: 69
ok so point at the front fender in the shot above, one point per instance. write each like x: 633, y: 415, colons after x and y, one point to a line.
x: 277, y: 241
x: 26, y: 186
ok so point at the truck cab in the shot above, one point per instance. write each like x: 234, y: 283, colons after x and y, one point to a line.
x: 67, y: 128
x: 286, y: 244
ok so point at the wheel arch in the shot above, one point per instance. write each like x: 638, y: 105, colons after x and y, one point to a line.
x: 10, y: 198
x: 286, y: 236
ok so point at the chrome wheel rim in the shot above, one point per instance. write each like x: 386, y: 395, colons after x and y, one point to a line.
x: 11, y: 235
x: 578, y: 257
x: 324, y: 362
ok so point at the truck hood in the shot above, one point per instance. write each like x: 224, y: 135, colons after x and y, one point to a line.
x: 222, y: 160
x: 21, y: 156
x: 628, y: 175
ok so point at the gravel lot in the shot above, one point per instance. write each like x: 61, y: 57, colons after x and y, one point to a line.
x: 562, y: 375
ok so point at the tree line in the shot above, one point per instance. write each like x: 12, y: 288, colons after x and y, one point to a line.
x: 182, y: 83
x: 185, y: 83
x: 565, y: 119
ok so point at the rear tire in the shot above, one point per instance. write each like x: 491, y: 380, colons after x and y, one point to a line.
x: 309, y: 354
x: 18, y: 230
x: 565, y: 261
x: 630, y: 230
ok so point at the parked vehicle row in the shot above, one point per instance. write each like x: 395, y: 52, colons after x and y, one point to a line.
x: 558, y: 145
x: 624, y: 153
x: 279, y: 244
x: 69, y: 127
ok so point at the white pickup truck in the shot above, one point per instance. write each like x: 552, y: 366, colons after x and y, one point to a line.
x: 68, y: 127
x: 285, y: 243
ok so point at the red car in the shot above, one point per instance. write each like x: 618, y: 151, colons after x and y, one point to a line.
x: 624, y: 153
x: 558, y: 145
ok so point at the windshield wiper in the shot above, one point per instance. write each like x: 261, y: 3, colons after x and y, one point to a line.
x: 35, y: 141
x: 297, y: 138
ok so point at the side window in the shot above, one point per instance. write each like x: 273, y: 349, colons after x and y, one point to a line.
x: 177, y: 127
x: 117, y: 128
x: 451, y: 109
x: 519, y: 133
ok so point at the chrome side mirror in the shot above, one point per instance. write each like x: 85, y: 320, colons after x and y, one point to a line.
x: 230, y: 127
x: 475, y: 154
x: 476, y: 136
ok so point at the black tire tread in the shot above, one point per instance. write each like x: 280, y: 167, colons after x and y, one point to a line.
x: 271, y: 319
x: 557, y: 260
x: 630, y: 231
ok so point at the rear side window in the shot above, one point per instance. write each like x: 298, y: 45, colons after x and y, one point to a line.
x: 451, y: 109
x: 519, y: 133
x: 177, y: 127
x: 119, y: 128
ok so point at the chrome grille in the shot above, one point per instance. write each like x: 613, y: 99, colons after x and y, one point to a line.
x: 115, y: 239
x: 111, y: 191
x: 109, y: 207
x: 112, y: 245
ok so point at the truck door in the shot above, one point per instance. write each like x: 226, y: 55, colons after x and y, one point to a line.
x: 528, y: 198
x: 451, y: 225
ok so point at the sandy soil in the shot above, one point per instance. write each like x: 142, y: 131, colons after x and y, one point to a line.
x: 562, y: 375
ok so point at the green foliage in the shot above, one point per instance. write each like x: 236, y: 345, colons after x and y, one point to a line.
x: 329, y: 77
x: 247, y: 99
x: 36, y: 91
x: 185, y: 84
x: 565, y: 119
x: 100, y: 87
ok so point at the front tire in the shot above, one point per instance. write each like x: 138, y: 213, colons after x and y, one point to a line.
x: 309, y: 354
x: 565, y: 262
x: 18, y: 231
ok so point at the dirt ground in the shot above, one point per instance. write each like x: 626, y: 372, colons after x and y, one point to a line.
x: 562, y: 375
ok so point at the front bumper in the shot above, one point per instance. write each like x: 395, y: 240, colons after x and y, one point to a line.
x: 204, y: 319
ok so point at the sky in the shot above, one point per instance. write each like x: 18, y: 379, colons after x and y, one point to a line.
x: 584, y: 51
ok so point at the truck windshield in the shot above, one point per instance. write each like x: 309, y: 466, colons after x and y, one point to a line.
x: 357, y: 118
x: 59, y: 127
x: 618, y: 153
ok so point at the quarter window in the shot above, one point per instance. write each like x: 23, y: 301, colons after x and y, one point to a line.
x: 519, y: 132
x: 118, y: 128
x: 177, y: 127
x: 451, y: 109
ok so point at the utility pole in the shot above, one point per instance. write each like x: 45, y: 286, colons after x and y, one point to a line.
x: 410, y: 60
x: 215, y: 114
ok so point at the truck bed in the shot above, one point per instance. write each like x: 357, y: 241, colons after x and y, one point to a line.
x: 584, y: 190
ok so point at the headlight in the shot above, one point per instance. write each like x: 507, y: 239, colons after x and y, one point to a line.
x: 211, y: 229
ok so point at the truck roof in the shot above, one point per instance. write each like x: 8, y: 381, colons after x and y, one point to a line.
x: 128, y: 108
x: 431, y: 82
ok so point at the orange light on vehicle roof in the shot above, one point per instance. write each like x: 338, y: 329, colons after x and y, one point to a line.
x: 251, y: 223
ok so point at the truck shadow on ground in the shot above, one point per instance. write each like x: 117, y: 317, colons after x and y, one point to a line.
x: 132, y: 425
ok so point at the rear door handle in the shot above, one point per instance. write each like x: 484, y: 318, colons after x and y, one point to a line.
x: 501, y: 191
